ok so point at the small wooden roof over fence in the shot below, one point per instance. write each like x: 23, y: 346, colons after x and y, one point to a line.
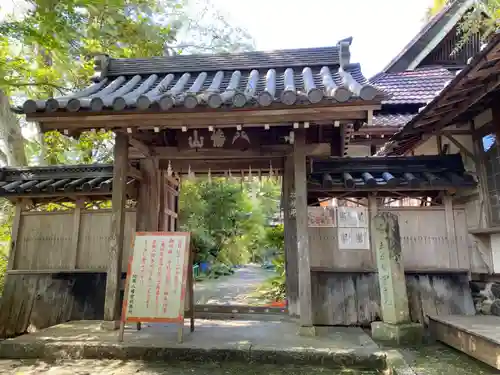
x: 94, y: 182
x: 327, y: 176
x: 386, y: 175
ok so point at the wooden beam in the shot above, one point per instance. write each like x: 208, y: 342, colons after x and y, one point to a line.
x: 224, y: 165
x: 134, y: 173
x: 140, y: 146
x: 176, y: 120
x: 304, y: 266
x: 188, y: 117
x: 112, y: 296
x: 267, y: 151
x: 460, y: 146
x: 472, y: 99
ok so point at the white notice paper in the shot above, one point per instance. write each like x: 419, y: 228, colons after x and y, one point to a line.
x: 157, y: 278
x: 352, y: 217
x: 353, y: 238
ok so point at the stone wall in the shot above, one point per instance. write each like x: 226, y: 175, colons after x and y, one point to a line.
x: 486, y: 296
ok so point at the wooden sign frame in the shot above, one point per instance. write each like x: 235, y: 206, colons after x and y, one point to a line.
x: 187, y: 286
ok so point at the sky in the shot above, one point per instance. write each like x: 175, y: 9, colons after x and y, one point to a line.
x: 380, y: 29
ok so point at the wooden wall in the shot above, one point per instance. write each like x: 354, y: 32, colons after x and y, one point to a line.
x: 59, y: 241
x: 436, y: 254
x: 33, y: 302
x: 425, y: 243
x: 352, y: 298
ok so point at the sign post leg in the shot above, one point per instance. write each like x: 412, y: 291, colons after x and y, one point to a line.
x: 122, y: 331
x: 191, y: 288
x: 180, y: 332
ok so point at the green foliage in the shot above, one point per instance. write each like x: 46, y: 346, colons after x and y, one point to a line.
x: 274, y: 289
x: 275, y: 237
x: 482, y: 20
x: 227, y: 219
x: 49, y: 49
x: 7, y: 212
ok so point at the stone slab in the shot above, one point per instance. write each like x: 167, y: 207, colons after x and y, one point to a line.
x: 265, y: 342
x: 398, y: 334
x: 477, y: 336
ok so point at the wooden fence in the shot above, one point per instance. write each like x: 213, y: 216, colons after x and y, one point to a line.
x: 432, y: 240
x: 437, y: 258
x: 67, y: 241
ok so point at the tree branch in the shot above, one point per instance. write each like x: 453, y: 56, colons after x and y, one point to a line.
x: 62, y: 90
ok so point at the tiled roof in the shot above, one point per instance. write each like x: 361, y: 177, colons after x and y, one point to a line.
x: 418, y: 86
x: 391, y: 119
x: 226, y: 61
x: 389, y: 173
x: 303, y: 76
x: 470, y: 92
x: 57, y: 180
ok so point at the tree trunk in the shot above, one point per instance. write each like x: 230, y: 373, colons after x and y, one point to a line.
x: 10, y: 133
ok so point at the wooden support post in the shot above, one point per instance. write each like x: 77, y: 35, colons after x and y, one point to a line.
x: 304, y: 269
x: 114, y: 270
x: 372, y: 212
x: 291, y: 255
x: 75, y: 239
x: 451, y: 233
x: 15, y: 234
x: 148, y: 205
x: 191, y: 282
x: 396, y: 325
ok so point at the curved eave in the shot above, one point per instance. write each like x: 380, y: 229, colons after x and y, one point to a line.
x: 215, y: 90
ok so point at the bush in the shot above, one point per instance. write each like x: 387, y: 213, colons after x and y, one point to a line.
x: 220, y: 269
x: 274, y: 288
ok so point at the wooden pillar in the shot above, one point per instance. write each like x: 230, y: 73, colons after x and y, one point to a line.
x: 396, y: 325
x: 75, y: 239
x: 304, y: 269
x: 291, y: 255
x: 455, y: 261
x: 114, y: 270
x: 148, y: 204
x: 372, y: 212
x: 16, y: 222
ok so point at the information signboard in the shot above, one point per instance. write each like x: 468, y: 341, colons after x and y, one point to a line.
x: 157, y: 279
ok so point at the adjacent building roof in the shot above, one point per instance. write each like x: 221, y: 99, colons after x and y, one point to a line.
x: 391, y: 120
x: 429, y: 37
x: 60, y: 180
x: 418, y: 86
x: 250, y: 79
x: 408, y: 91
x: 470, y: 92
x: 390, y: 173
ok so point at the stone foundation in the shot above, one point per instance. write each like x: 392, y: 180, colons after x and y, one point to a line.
x: 397, y: 334
x: 486, y: 296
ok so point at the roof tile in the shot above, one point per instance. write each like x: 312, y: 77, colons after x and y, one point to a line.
x: 418, y: 86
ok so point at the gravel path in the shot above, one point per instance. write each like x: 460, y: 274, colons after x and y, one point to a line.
x: 235, y: 289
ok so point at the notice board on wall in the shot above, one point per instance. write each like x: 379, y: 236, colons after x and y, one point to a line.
x: 321, y: 217
x: 353, y: 232
x: 158, y: 276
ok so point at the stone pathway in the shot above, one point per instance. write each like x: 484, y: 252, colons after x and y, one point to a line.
x: 115, y: 367
x: 236, y: 289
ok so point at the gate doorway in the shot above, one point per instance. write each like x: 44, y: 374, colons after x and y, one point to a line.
x: 236, y: 223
